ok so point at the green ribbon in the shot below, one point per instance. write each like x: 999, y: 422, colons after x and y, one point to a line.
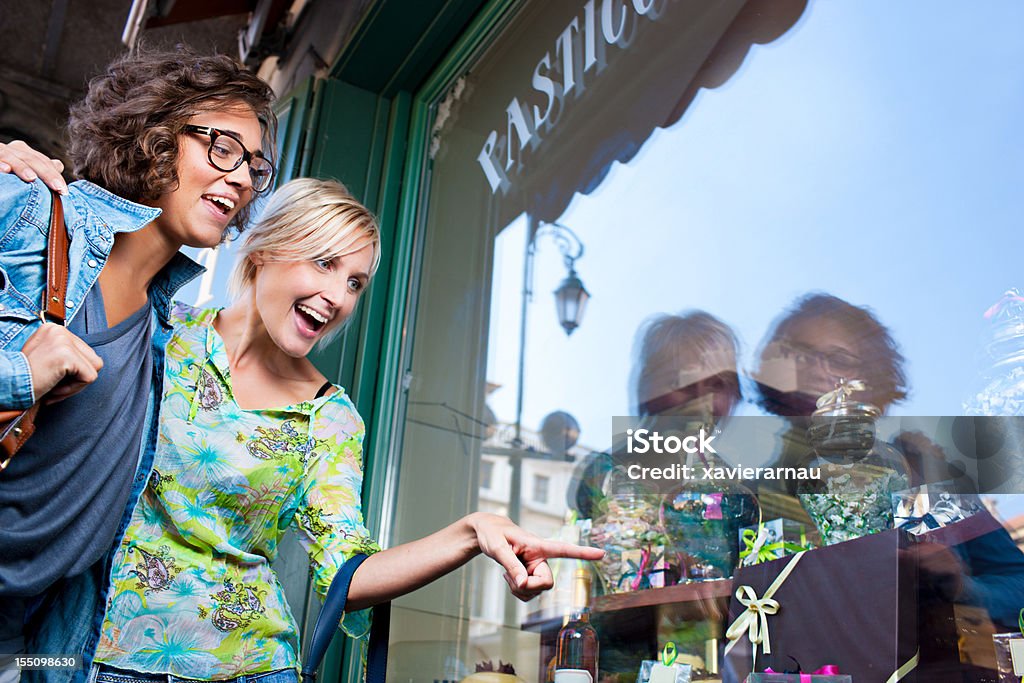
x: 669, y: 654
x: 770, y: 551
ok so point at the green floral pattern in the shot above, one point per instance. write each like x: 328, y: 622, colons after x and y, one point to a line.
x: 192, y: 591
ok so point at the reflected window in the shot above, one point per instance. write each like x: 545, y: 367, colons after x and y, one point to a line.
x: 486, y: 473
x: 541, y: 484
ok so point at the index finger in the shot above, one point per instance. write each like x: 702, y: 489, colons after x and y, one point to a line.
x: 568, y: 550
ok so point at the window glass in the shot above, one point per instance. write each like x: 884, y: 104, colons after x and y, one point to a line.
x: 801, y: 192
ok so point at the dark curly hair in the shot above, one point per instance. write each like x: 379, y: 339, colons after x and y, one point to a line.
x: 883, y: 371
x: 123, y: 135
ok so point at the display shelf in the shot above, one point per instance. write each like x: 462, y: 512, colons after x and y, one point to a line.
x: 721, y: 589
x: 681, y: 593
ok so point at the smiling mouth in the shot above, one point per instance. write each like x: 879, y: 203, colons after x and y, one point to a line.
x: 222, y: 204
x: 314, y: 320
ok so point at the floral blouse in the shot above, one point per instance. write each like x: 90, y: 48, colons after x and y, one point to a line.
x: 192, y: 591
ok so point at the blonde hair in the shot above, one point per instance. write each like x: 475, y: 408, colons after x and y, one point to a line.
x: 678, y: 350
x: 306, y: 219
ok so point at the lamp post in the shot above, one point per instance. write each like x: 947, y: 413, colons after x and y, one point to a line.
x: 570, y: 300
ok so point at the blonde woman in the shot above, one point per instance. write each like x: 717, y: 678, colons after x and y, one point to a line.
x: 253, y: 441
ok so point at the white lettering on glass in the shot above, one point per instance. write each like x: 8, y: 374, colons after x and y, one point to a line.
x: 527, y: 120
x: 516, y: 120
x: 642, y: 7
x: 543, y: 83
x: 612, y: 36
x: 589, y: 36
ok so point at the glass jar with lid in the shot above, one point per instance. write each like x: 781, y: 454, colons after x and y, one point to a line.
x: 857, y: 473
x: 629, y: 531
x: 703, y: 517
x: 1003, y: 376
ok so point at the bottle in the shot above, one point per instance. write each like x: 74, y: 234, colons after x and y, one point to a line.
x: 577, y: 647
x: 563, y: 570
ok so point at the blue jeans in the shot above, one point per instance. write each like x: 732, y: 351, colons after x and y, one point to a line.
x: 104, y: 674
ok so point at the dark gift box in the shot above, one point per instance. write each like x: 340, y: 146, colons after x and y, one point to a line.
x: 853, y: 604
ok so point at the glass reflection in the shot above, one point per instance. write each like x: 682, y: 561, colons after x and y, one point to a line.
x: 737, y: 157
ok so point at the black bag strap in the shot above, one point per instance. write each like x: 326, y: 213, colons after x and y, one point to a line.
x: 329, y: 618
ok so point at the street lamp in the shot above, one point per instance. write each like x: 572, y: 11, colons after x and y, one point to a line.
x: 571, y: 300
x: 571, y: 296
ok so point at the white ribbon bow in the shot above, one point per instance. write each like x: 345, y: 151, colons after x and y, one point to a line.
x: 754, y: 620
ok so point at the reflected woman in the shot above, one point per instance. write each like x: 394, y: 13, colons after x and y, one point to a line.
x: 685, y: 367
x: 818, y: 341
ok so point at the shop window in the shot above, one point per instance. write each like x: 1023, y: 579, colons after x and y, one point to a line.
x: 724, y: 211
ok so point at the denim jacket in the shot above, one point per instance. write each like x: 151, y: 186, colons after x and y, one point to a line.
x: 69, y: 621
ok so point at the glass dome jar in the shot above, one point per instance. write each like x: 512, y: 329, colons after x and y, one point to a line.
x: 1003, y: 378
x: 702, y: 520
x: 989, y: 439
x: 630, y: 533
x: 852, y: 497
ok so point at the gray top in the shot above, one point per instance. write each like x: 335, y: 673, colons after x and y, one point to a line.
x: 63, y: 494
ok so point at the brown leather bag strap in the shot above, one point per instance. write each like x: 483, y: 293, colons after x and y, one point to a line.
x: 53, y: 308
x: 17, y: 426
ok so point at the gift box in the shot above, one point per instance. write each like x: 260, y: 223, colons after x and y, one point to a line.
x: 853, y: 605
x: 644, y: 568
x: 771, y: 540
x: 971, y: 585
x: 769, y: 677
x: 1009, y: 656
x: 927, y: 508
x: 667, y: 670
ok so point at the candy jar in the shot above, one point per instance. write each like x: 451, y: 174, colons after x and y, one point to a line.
x: 989, y: 438
x: 703, y: 517
x: 1003, y: 376
x: 858, y: 474
x: 630, y: 533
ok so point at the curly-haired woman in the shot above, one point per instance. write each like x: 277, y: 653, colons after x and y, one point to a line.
x: 171, y: 148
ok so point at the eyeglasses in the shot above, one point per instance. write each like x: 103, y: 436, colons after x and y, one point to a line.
x: 227, y: 153
x: 835, y: 362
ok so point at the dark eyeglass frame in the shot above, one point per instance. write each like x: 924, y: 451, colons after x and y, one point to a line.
x: 247, y: 156
x: 835, y: 362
